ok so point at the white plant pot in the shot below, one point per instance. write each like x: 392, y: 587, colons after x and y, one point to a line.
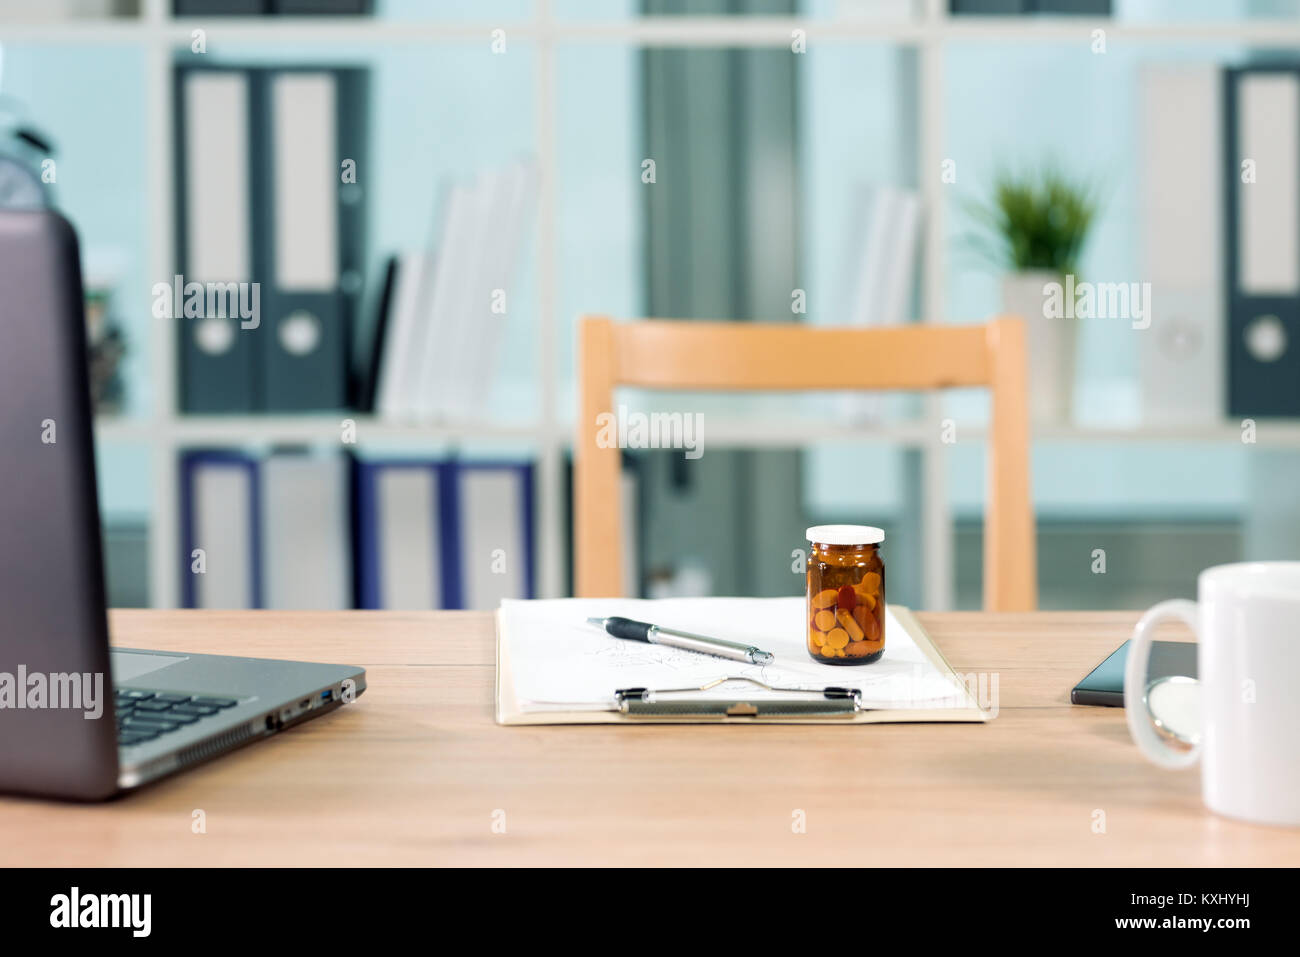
x: 1050, y: 344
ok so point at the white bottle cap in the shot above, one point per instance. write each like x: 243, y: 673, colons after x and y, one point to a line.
x: 845, y: 535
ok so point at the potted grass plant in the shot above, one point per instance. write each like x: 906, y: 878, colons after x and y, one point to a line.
x: 1033, y: 227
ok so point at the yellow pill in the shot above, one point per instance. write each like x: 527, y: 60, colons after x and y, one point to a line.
x: 837, y: 638
x: 839, y: 652
x: 871, y: 581
x: 827, y: 651
x: 824, y: 598
x: 849, y: 624
x: 824, y: 620
x: 817, y: 638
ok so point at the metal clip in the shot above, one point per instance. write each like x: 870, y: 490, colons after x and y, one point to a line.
x: 647, y: 702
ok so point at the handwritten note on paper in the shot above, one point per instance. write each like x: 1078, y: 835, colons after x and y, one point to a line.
x: 559, y: 662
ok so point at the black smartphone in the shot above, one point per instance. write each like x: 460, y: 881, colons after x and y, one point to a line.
x: 1105, y: 683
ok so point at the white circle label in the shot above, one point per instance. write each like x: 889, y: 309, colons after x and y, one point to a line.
x: 214, y: 335
x: 1266, y: 338
x: 300, y: 333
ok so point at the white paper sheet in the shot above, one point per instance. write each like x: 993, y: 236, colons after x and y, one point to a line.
x: 559, y: 662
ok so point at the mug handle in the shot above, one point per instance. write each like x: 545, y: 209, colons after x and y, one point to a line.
x: 1135, y: 685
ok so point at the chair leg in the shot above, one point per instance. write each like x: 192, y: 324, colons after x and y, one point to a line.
x: 598, y: 533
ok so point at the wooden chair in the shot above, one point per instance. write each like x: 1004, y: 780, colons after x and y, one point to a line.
x: 704, y: 356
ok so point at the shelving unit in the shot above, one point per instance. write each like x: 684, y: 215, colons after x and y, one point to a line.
x: 929, y: 33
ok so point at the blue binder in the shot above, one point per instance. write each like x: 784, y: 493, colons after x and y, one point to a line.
x: 193, y: 510
x: 217, y: 194
x: 426, y: 492
x: 262, y: 198
x: 313, y: 229
x: 1263, y: 325
x: 418, y: 509
x: 494, y: 538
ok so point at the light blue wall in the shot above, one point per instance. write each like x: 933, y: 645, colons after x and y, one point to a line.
x: 89, y: 101
x: 503, y: 10
x: 599, y: 255
x: 443, y: 112
x: 853, y: 103
x: 453, y: 109
x: 1018, y: 105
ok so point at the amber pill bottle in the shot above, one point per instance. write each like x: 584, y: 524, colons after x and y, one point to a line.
x: 846, y: 594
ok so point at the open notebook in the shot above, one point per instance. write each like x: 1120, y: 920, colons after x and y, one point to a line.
x: 554, y: 668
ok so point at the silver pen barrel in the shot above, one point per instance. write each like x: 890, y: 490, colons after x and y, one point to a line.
x: 709, y: 646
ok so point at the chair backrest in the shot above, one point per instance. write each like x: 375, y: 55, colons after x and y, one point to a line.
x: 727, y: 356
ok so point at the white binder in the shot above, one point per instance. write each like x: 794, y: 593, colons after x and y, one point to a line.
x: 1180, y: 142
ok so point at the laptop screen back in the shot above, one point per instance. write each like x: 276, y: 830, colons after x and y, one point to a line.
x: 53, y: 627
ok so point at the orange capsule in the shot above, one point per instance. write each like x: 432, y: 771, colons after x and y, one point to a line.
x: 825, y: 598
x: 850, y: 624
x: 856, y: 649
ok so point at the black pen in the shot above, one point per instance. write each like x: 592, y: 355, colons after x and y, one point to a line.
x: 658, y: 635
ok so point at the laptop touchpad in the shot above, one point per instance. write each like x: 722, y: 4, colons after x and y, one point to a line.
x: 127, y: 665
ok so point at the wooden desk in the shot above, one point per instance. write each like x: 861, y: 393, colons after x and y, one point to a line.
x: 413, y: 772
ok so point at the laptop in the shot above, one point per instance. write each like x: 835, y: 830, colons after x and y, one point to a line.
x: 77, y: 719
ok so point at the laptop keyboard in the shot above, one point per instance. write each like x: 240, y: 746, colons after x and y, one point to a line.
x: 145, y: 715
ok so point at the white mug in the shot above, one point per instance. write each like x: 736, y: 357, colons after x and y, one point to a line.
x: 1247, y: 623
